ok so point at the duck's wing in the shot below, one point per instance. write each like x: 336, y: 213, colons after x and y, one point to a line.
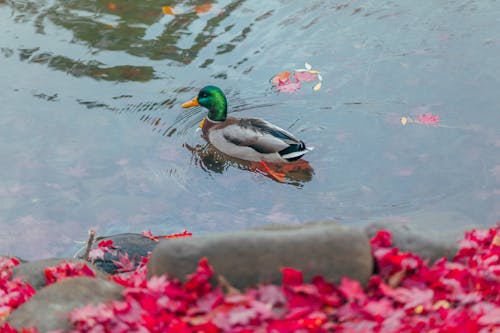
x: 259, y: 135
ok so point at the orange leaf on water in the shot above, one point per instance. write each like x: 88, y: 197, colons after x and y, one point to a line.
x: 112, y: 6
x: 168, y: 10
x: 200, y: 9
x: 280, y: 77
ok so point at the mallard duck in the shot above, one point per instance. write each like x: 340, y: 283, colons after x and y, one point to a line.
x: 250, y: 139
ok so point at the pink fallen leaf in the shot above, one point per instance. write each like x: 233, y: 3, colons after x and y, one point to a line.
x: 305, y: 76
x: 103, y: 247
x: 352, y: 290
x: 96, y: 254
x: 490, y: 318
x: 124, y: 264
x: 288, y: 87
x: 428, y: 119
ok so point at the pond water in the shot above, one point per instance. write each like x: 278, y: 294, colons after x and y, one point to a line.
x: 92, y: 134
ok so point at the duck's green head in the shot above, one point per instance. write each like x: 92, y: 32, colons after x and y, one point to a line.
x: 213, y: 99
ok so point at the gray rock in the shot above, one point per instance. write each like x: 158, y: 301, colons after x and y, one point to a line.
x: 255, y: 256
x: 49, y: 308
x: 135, y: 245
x: 33, y: 271
x: 431, y: 235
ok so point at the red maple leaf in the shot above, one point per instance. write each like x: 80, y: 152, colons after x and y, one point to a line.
x: 124, y: 264
x: 66, y: 269
x: 291, y: 276
x: 150, y: 235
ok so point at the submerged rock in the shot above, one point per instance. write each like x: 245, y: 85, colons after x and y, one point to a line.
x: 134, y: 245
x: 255, y: 256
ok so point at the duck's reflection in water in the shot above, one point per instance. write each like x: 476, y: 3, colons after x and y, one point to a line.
x: 212, y: 160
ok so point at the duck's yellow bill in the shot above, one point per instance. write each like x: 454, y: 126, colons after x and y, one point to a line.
x: 191, y: 103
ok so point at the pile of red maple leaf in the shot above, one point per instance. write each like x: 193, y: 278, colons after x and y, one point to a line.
x: 406, y: 295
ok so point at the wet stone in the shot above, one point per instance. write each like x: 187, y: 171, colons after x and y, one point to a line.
x: 33, y: 272
x: 50, y: 307
x: 429, y: 244
x: 135, y: 245
x: 255, y: 256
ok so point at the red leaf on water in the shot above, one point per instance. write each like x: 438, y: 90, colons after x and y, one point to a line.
x: 150, y: 235
x: 288, y: 87
x: 185, y: 233
x: 428, y: 119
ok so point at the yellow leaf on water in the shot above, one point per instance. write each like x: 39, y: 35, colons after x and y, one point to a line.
x: 167, y: 10
x: 404, y: 120
x: 317, y: 86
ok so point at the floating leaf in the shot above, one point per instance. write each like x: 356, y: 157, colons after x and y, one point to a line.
x: 204, y: 8
x: 168, y: 10
x: 305, y: 76
x: 404, y: 120
x: 428, y: 119
x: 112, y: 6
x: 288, y: 86
x: 290, y: 82
x: 150, y: 235
x: 283, y: 77
x: 317, y: 86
